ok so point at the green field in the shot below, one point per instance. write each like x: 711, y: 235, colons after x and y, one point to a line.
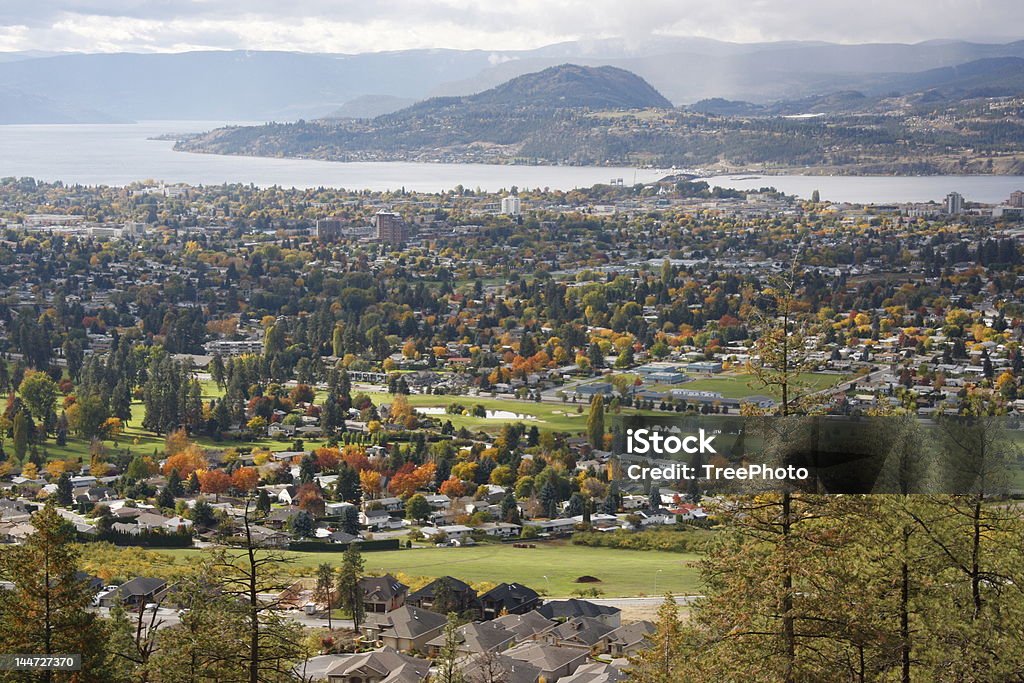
x: 743, y: 385
x: 623, y: 573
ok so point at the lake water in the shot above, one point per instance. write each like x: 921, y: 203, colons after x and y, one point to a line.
x: 115, y: 154
x: 95, y: 154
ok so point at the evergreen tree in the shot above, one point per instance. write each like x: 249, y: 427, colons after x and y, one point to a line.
x: 47, y: 610
x: 350, y: 591
x: 665, y: 661
x: 595, y: 422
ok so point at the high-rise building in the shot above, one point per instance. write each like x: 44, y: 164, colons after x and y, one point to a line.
x: 328, y: 229
x: 391, y: 228
x: 510, y: 205
x: 1016, y: 199
x: 954, y: 203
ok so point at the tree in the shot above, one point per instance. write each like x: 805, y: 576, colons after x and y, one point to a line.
x: 21, y: 435
x: 47, y: 610
x: 447, y: 663
x: 65, y: 492
x: 202, y: 514
x: 263, y: 503
x: 39, y: 392
x: 665, y: 660
x: 244, y: 479
x: 595, y: 422
x: 214, y: 481
x: 324, y: 590
x: 273, y: 643
x: 350, y: 520
x: 186, y: 462
x: 301, y: 524
x: 417, y: 508
x: 87, y: 415
x: 350, y: 591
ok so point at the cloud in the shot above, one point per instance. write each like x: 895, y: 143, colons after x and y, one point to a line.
x: 358, y: 25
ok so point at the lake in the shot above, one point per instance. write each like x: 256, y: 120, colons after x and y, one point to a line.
x: 117, y: 154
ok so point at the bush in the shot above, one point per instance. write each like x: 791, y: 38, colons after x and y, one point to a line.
x: 666, y: 540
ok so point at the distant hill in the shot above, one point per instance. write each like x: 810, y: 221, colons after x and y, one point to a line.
x: 370, y: 106
x: 570, y: 86
x: 254, y: 85
x: 20, y: 107
x: 523, y: 116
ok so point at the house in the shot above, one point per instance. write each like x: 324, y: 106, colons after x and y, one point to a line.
x: 563, y: 610
x: 389, y: 504
x: 595, y: 672
x: 406, y: 629
x: 553, y: 662
x: 553, y: 526
x: 658, y: 517
x: 375, y: 520
x: 438, y: 501
x: 385, y: 665
x: 453, y: 532
x: 459, y: 596
x: 498, y: 667
x: 526, y: 626
x: 265, y: 537
x: 382, y: 593
x: 628, y: 640
x: 475, y: 638
x: 587, y: 633
x: 508, y: 598
x: 136, y: 593
x: 501, y: 529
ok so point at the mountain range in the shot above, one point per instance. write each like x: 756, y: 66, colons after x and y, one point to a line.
x: 262, y: 85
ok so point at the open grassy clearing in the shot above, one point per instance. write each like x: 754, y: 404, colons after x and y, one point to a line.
x: 623, y: 573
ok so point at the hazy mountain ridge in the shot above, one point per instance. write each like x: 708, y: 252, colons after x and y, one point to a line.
x: 259, y: 85
x: 574, y: 114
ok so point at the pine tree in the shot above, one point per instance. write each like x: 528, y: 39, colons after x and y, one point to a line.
x: 665, y: 660
x: 447, y: 662
x: 47, y: 610
x: 350, y: 591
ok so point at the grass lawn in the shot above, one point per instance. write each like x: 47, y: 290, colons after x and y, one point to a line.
x: 742, y: 385
x: 623, y: 573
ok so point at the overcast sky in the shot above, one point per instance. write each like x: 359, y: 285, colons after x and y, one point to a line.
x: 370, y: 25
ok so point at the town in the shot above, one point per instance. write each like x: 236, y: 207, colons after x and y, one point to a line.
x: 383, y: 422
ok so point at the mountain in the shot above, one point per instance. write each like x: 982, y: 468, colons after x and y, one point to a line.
x: 568, y: 86
x: 541, y: 116
x: 369, y: 106
x: 265, y: 86
x: 20, y: 107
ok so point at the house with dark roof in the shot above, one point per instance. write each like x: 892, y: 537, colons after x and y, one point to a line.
x: 406, y: 629
x: 563, y: 610
x: 586, y: 633
x: 136, y: 593
x: 508, y: 598
x: 629, y: 639
x: 457, y: 596
x: 382, y: 594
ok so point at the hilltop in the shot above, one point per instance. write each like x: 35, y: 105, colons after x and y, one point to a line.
x: 524, y: 117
